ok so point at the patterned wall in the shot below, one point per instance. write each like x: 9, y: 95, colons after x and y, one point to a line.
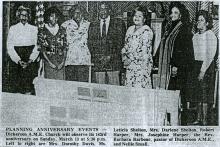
x: 119, y: 7
x: 40, y: 9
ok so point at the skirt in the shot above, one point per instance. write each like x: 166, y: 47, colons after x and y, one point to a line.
x: 77, y: 73
x: 51, y: 73
x: 21, y: 79
x: 201, y: 91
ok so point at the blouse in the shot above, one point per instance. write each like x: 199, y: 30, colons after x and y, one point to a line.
x: 22, y: 35
x: 78, y: 52
x: 205, y: 46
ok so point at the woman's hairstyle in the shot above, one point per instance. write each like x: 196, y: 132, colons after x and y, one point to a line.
x: 80, y: 8
x: 23, y: 8
x: 183, y: 11
x: 52, y: 10
x: 207, y: 18
x: 143, y: 10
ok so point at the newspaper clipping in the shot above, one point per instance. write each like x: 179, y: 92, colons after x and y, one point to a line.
x: 109, y: 73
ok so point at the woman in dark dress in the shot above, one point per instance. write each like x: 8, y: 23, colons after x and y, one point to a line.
x: 203, y: 75
x: 176, y: 52
x: 53, y: 45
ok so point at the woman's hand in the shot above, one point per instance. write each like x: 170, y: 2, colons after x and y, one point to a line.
x: 30, y: 61
x: 23, y: 64
x: 201, y: 75
x: 60, y: 66
x: 52, y: 65
x: 217, y: 64
x: 174, y: 71
x: 105, y: 59
x: 126, y: 63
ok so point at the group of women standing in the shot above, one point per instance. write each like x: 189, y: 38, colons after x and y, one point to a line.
x: 65, y: 45
x: 186, y: 61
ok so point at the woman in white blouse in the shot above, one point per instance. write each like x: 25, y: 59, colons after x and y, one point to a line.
x: 205, y: 47
x: 78, y: 56
x: 23, y: 52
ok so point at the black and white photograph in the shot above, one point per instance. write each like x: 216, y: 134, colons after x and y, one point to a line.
x: 110, y: 63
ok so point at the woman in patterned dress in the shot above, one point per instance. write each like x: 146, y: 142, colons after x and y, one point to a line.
x: 78, y: 56
x: 53, y: 45
x: 137, y: 52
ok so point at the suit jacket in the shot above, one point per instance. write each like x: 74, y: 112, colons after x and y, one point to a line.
x: 112, y: 45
